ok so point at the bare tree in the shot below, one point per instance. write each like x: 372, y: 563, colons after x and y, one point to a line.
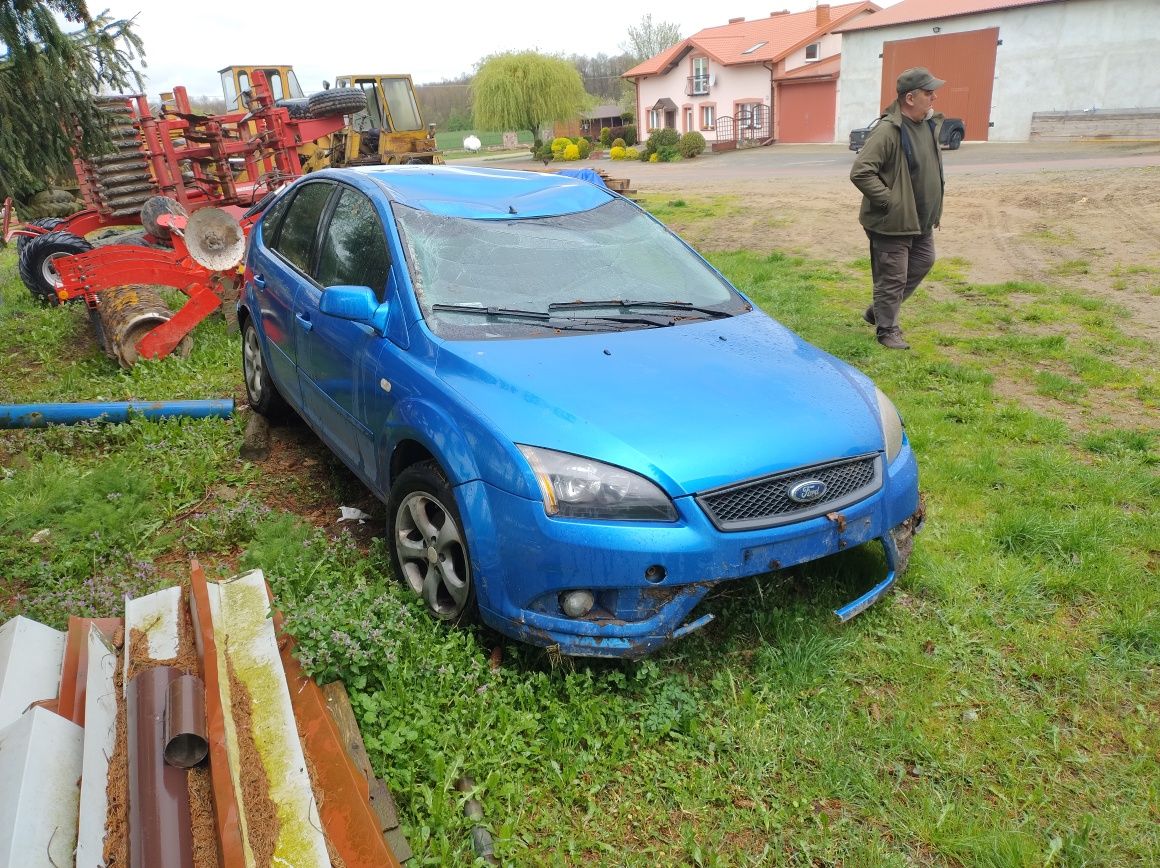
x: 649, y: 38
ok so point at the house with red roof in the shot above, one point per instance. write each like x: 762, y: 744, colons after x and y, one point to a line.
x: 1015, y: 69
x: 750, y: 82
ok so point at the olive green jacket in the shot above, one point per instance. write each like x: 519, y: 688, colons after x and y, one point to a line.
x: 881, y: 173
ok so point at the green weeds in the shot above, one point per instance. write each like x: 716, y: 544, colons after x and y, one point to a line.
x: 1000, y: 708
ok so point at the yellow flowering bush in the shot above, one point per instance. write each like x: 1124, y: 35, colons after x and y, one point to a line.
x: 616, y: 153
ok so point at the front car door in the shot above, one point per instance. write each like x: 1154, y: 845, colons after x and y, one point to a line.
x: 336, y: 359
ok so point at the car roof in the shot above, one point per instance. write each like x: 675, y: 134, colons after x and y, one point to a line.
x: 476, y: 192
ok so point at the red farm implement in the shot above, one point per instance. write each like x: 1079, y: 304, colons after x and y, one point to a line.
x: 161, y: 169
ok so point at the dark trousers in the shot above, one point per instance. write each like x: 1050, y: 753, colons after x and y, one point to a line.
x: 898, y: 264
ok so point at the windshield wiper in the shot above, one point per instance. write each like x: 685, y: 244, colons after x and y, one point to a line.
x: 627, y: 304
x: 573, y: 323
x: 510, y: 312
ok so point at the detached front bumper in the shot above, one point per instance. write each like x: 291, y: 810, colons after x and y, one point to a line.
x: 646, y: 578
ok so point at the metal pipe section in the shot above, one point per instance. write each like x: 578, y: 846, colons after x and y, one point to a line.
x: 186, y: 742
x: 160, y: 831
x: 43, y: 415
x: 480, y: 838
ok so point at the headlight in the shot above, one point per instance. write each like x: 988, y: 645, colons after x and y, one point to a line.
x: 891, y: 425
x: 576, y: 487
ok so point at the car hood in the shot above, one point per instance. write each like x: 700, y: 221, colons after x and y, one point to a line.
x: 692, y: 406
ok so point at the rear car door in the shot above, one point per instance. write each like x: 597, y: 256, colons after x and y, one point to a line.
x: 336, y: 357
x: 280, y: 265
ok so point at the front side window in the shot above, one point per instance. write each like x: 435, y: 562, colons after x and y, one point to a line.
x: 370, y: 118
x: 401, y: 105
x: 354, y: 248
x: 296, y: 236
x: 560, y: 268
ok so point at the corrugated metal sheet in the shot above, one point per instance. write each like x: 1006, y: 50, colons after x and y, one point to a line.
x: 40, y: 770
x: 30, y: 660
x: 910, y: 11
x: 966, y: 61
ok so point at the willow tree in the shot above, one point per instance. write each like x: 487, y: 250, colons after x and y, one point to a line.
x: 47, y: 80
x: 525, y: 91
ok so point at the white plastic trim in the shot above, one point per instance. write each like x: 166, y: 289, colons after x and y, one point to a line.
x: 40, y: 764
x: 99, y: 743
x: 31, y: 655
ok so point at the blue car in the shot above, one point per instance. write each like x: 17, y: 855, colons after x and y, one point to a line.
x: 577, y: 424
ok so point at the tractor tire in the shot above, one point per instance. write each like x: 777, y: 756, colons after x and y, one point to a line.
x: 298, y: 109
x: 43, y: 223
x: 36, y: 268
x: 336, y: 101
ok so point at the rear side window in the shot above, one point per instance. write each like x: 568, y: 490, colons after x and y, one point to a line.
x: 272, y: 219
x: 354, y: 249
x: 300, y: 225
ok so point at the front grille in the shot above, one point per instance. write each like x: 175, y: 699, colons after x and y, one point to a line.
x: 766, y: 502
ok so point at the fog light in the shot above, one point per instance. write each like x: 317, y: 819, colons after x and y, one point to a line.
x: 576, y: 604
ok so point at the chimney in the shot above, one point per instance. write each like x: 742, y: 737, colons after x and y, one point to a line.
x: 736, y: 20
x: 823, y: 16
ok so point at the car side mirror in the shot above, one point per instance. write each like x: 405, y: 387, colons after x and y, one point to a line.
x: 355, y: 303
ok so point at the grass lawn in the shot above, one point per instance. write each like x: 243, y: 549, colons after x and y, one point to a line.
x: 1000, y: 708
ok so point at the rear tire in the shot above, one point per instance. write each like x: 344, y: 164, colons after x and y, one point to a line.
x: 336, y: 101
x: 428, y: 544
x: 36, y: 262
x: 261, y: 392
x: 954, y: 140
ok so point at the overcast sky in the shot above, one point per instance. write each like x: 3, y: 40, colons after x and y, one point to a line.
x: 430, y: 40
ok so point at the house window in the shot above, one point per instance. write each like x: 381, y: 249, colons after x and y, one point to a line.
x: 701, y: 75
x: 656, y: 119
x: 707, y: 118
x: 813, y: 51
x: 688, y: 119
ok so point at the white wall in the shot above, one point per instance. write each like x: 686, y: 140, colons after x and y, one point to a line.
x: 1067, y: 56
x: 730, y: 83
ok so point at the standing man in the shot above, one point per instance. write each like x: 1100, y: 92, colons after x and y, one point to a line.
x: 900, y: 173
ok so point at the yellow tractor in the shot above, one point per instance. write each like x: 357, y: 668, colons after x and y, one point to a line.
x: 390, y: 130
x: 384, y: 125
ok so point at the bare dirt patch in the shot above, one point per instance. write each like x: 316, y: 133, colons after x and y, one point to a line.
x: 1094, y: 230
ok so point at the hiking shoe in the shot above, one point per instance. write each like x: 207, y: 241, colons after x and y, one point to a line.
x: 869, y: 315
x: 893, y: 341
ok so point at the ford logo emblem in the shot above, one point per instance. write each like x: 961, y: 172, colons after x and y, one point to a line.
x: 808, y: 491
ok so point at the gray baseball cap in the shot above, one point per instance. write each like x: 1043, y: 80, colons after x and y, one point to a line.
x: 918, y: 78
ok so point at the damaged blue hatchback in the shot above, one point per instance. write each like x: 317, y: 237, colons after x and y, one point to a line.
x: 577, y: 424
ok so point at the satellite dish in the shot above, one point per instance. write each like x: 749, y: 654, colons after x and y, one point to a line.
x: 215, y: 239
x: 472, y: 143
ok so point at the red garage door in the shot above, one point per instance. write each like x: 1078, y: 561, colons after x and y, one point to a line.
x: 965, y: 60
x: 806, y: 111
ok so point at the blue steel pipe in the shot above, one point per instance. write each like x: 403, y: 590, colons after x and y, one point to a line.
x: 42, y: 415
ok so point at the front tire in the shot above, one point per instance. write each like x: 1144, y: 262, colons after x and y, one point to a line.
x: 954, y: 140
x: 429, y: 550
x: 261, y: 392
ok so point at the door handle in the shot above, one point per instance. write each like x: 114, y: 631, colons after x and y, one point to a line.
x: 306, y: 324
x: 259, y: 281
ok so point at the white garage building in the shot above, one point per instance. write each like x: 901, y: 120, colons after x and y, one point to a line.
x: 1007, y: 60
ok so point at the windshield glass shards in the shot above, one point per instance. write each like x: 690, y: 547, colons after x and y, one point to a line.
x: 563, y: 267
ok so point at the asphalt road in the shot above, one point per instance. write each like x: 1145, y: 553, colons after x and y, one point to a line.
x: 822, y: 161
